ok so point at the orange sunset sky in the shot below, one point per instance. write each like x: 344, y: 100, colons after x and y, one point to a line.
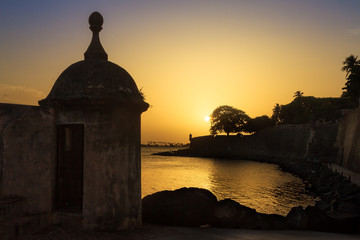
x: 187, y: 56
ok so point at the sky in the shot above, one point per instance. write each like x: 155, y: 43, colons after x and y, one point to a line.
x: 187, y: 56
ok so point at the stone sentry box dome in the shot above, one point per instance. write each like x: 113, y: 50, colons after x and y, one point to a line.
x: 96, y: 107
x: 95, y: 80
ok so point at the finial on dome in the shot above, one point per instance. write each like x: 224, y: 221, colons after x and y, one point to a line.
x: 96, y: 20
x: 95, y: 49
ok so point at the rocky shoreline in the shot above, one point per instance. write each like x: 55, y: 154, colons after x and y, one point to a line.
x: 339, y: 204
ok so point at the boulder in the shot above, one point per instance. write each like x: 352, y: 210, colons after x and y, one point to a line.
x: 349, y: 206
x: 317, y: 220
x: 272, y: 222
x: 296, y: 218
x: 231, y: 214
x: 181, y: 207
x: 312, y: 218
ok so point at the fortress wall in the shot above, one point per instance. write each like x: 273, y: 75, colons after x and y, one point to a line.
x: 8, y: 113
x: 287, y: 141
x: 26, y: 155
x: 348, y: 141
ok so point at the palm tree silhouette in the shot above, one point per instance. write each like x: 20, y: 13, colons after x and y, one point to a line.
x: 298, y: 94
x: 350, y: 64
x: 352, y: 85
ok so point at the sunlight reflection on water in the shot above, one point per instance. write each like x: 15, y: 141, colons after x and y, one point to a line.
x: 257, y: 185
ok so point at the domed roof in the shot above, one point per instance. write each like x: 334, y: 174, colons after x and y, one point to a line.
x: 95, y: 80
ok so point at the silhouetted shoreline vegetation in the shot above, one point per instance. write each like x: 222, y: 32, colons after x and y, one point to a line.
x: 302, y: 110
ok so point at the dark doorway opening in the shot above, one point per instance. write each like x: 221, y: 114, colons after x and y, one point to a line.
x: 69, y: 168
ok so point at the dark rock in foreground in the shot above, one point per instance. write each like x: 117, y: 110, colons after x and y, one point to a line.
x: 315, y: 219
x: 182, y: 207
x: 312, y: 218
x: 196, y: 207
x: 231, y: 214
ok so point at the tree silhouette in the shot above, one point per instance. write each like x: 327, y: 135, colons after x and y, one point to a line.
x: 298, y: 94
x: 352, y: 85
x: 308, y: 109
x: 276, y: 114
x: 227, y: 119
x: 350, y: 64
x: 258, y: 123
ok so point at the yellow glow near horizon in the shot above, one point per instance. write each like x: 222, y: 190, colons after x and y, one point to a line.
x: 187, y: 56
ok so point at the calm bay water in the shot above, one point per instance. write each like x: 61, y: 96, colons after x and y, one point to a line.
x: 257, y: 185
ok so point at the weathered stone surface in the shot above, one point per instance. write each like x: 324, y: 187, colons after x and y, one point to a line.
x: 94, y: 81
x: 350, y: 205
x: 280, y: 142
x: 229, y: 213
x: 317, y: 220
x: 27, y: 156
x: 271, y: 222
x: 182, y: 207
x: 112, y: 186
x: 8, y: 113
x: 312, y: 218
x: 296, y: 218
x: 348, y: 140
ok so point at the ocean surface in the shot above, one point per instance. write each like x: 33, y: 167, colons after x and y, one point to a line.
x: 257, y: 185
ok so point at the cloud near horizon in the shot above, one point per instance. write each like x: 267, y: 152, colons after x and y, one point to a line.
x: 354, y: 31
x: 20, y: 95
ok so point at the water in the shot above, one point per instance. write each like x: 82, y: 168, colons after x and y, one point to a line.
x: 257, y: 185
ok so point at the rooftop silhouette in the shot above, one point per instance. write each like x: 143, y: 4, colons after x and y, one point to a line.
x: 95, y: 80
x: 95, y: 49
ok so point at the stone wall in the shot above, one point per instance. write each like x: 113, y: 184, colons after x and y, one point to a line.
x: 8, y: 112
x: 26, y: 155
x: 111, y: 167
x: 337, y: 142
x: 348, y: 141
x: 112, y: 175
x: 287, y: 141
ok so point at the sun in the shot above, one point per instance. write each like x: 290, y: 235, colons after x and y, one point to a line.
x: 207, y: 118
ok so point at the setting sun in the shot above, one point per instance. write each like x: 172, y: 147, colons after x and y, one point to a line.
x: 210, y: 52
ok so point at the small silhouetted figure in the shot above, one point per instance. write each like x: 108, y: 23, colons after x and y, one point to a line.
x: 190, y: 137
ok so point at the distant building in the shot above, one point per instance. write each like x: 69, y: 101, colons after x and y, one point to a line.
x: 76, y: 157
